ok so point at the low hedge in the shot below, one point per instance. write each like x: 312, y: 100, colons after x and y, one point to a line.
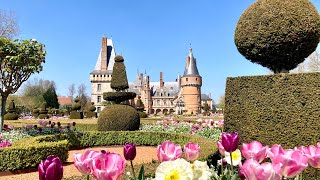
x: 28, y: 153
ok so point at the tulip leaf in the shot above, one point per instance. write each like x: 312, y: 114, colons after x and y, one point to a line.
x: 234, y: 177
x: 141, y: 173
x: 224, y: 178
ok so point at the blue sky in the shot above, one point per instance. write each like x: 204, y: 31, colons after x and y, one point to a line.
x: 151, y: 35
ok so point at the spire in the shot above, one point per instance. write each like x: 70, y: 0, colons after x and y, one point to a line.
x: 191, y: 65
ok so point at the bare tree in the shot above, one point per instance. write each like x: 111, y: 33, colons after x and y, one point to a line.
x: 82, y: 96
x: 311, y: 64
x: 72, y: 90
x: 8, y: 24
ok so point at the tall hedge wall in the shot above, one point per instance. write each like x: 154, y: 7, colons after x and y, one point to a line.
x: 274, y: 109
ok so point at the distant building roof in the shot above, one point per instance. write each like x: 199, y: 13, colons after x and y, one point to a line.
x: 64, y: 100
x: 205, y: 97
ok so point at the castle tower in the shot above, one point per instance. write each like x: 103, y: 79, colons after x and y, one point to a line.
x: 100, y: 77
x: 191, y: 83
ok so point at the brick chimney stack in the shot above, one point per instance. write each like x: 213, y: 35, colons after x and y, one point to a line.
x: 161, y: 81
x: 148, y: 82
x: 104, y: 62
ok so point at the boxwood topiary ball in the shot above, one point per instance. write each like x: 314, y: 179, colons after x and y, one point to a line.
x: 118, y: 118
x: 11, y: 116
x: 278, y: 34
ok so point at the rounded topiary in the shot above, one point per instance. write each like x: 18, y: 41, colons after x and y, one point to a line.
x: 118, y: 118
x: 278, y: 34
x: 43, y: 112
x: 119, y: 79
x: 11, y: 115
x: 92, y: 108
x: 118, y: 97
x: 35, y: 112
x: 76, y: 105
x: 139, y: 104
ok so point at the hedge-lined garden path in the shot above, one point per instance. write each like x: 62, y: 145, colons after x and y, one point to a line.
x: 144, y: 154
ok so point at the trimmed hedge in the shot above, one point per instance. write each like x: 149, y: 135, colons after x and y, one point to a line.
x: 278, y: 34
x: 11, y: 116
x: 274, y: 109
x: 28, y: 153
x: 76, y: 115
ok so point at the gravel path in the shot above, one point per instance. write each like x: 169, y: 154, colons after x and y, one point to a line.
x: 144, y: 154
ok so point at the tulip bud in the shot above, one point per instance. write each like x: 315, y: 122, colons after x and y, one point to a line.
x: 230, y: 141
x: 50, y: 169
x: 59, y: 124
x: 129, y: 151
x: 74, y: 124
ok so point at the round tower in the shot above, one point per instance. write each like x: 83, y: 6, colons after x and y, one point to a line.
x: 191, y: 83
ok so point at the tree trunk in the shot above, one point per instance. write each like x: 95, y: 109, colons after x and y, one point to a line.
x: 3, y: 109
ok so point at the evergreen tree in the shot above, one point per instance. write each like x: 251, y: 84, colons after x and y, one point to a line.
x: 51, y: 98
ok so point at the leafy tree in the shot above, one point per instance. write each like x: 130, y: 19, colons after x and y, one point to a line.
x: 84, y: 100
x: 278, y: 34
x: 206, y: 107
x: 18, y: 61
x: 8, y: 24
x: 51, y: 98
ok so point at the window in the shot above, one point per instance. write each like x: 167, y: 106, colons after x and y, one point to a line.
x: 99, y: 99
x: 158, y: 102
x: 94, y: 75
x: 171, y: 102
x: 165, y: 102
x: 99, y: 88
x: 186, y: 79
x: 196, y: 79
x: 98, y: 109
x: 171, y: 88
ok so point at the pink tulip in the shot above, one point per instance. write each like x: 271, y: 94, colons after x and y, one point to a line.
x: 254, y: 150
x: 252, y: 170
x: 108, y: 166
x: 83, y: 162
x: 230, y: 141
x: 274, y: 151
x: 168, y: 151
x: 191, y: 151
x: 313, y: 153
x: 291, y: 163
x: 51, y: 168
x: 221, y: 148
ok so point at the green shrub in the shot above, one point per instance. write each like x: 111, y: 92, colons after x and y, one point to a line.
x: 119, y: 79
x: 142, y: 114
x: 76, y: 115
x: 274, y: 109
x: 35, y: 113
x: 28, y: 153
x: 118, y: 97
x: 43, y: 116
x: 90, y: 114
x: 118, y: 118
x: 76, y: 105
x: 86, y: 127
x: 278, y: 34
x: 11, y: 116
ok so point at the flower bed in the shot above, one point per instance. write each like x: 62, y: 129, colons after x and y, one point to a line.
x: 28, y: 152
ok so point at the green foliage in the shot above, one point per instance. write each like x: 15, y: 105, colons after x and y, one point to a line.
x: 12, y: 107
x: 43, y: 116
x: 139, y: 105
x: 118, y: 97
x: 11, y: 116
x: 76, y: 115
x: 90, y: 114
x: 119, y: 79
x: 274, y: 109
x: 28, y: 152
x: 118, y: 118
x: 51, y: 98
x: 142, y: 114
x: 92, y: 108
x: 76, y: 105
x: 278, y: 34
x: 43, y: 113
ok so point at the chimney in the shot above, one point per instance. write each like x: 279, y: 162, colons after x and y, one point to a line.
x: 104, y: 54
x: 161, y: 81
x: 148, y: 82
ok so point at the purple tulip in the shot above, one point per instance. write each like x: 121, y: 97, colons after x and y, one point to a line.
x: 5, y: 127
x: 49, y: 122
x: 35, y: 126
x: 74, y: 124
x: 59, y: 124
x: 129, y: 151
x: 230, y: 141
x: 50, y: 169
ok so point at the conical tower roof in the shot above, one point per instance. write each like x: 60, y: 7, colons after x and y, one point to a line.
x: 191, y: 65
